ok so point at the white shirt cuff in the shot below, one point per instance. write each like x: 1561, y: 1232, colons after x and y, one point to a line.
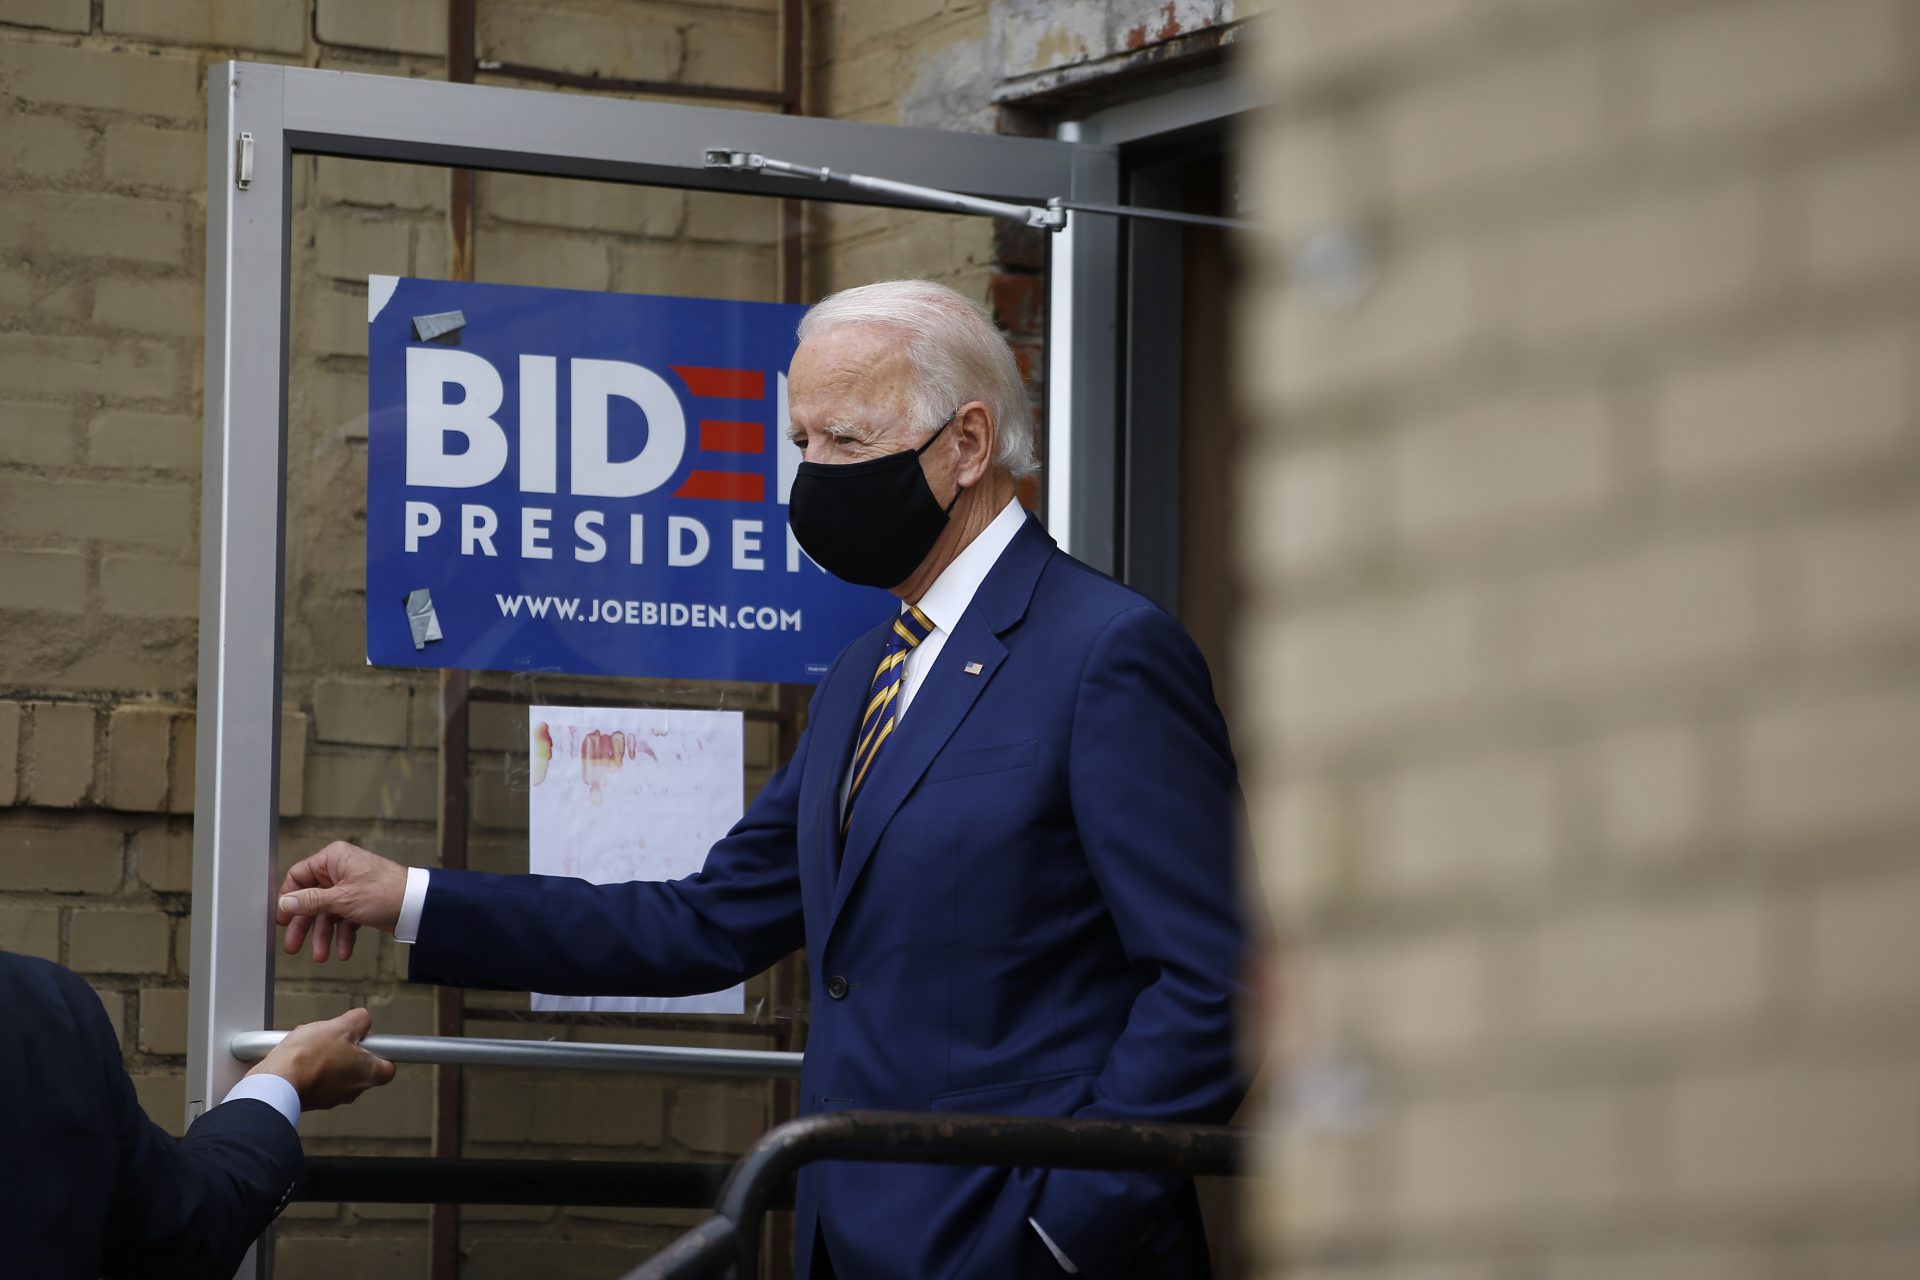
x: 276, y: 1091
x: 1054, y: 1249
x: 407, y: 927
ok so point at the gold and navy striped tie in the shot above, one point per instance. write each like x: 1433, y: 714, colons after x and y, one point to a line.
x: 883, y: 700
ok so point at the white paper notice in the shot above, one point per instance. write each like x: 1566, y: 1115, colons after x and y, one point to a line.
x: 624, y: 794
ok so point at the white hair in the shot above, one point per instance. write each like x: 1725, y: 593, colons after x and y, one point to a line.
x: 956, y: 352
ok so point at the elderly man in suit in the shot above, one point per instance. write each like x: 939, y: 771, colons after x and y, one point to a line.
x: 1005, y: 840
x: 90, y: 1187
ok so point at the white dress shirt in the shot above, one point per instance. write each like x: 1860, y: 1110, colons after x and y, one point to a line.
x: 944, y: 603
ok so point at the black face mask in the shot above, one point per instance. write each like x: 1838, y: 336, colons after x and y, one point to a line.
x: 872, y: 522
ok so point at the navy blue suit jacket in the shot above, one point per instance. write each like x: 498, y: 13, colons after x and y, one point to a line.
x: 1033, y: 913
x: 89, y: 1186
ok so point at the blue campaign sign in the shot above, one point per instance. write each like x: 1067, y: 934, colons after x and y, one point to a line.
x: 592, y: 483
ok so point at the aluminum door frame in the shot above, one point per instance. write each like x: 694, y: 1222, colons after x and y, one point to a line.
x: 1144, y: 441
x: 259, y: 117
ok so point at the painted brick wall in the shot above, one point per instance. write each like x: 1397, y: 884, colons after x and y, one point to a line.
x: 102, y: 172
x: 953, y: 64
x: 1584, y: 642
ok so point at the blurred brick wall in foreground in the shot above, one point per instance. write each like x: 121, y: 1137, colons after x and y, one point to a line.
x: 1584, y: 639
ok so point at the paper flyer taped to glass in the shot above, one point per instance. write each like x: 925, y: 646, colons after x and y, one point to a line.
x: 621, y: 793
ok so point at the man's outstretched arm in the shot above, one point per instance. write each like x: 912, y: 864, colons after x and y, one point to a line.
x: 737, y: 915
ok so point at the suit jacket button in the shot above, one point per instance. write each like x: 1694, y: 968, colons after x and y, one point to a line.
x: 837, y: 987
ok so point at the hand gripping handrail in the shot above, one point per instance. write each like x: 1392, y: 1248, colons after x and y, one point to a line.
x: 728, y: 1243
x: 476, y: 1051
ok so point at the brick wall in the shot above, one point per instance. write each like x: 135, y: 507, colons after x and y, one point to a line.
x: 1584, y: 640
x: 102, y: 172
x: 971, y: 65
x: 883, y: 61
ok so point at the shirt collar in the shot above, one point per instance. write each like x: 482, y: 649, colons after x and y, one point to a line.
x: 947, y: 599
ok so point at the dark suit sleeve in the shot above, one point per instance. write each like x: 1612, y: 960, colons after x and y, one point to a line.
x: 1157, y: 807
x: 732, y: 919
x: 188, y: 1208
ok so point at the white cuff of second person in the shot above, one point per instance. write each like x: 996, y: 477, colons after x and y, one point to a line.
x: 276, y: 1091
x: 407, y: 927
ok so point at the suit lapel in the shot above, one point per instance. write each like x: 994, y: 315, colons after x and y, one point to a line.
x: 945, y: 695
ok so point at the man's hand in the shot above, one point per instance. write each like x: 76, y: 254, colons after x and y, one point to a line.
x: 324, y: 1062
x: 336, y: 891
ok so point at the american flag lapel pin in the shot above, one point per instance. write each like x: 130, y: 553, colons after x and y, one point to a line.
x: 972, y: 668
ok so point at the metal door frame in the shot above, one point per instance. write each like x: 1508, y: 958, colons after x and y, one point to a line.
x: 1143, y: 474
x: 259, y: 117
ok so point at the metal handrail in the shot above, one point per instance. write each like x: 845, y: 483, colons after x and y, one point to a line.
x: 729, y: 1241
x: 477, y: 1051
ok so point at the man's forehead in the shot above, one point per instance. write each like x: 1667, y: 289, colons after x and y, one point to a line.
x: 852, y: 352
x: 850, y: 377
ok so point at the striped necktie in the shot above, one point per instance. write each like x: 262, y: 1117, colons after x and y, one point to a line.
x: 883, y: 699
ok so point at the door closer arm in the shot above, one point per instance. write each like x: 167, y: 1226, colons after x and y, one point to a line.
x: 1051, y: 216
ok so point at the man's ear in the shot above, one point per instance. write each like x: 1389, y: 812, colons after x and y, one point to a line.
x: 974, y: 437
